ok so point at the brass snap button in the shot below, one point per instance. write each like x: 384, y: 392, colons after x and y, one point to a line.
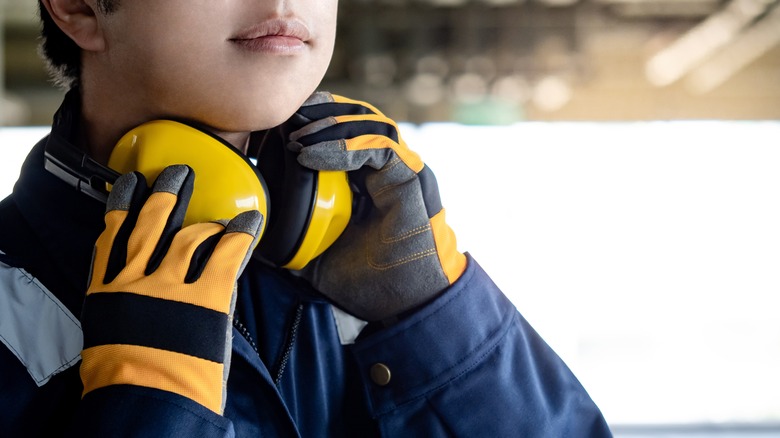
x: 380, y: 374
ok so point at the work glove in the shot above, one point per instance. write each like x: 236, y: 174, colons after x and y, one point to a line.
x: 397, y: 252
x: 158, y: 311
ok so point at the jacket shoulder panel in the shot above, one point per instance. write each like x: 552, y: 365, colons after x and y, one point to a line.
x: 40, y: 331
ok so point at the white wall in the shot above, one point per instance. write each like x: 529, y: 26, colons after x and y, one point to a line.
x: 647, y: 254
x: 14, y: 145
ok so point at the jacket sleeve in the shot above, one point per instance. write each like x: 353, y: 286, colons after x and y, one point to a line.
x: 125, y: 410
x: 468, y: 364
x: 40, y: 341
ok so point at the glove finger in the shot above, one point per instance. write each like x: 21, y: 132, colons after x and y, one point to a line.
x: 319, y: 106
x: 160, y: 218
x: 323, y: 109
x: 345, y: 127
x: 126, y: 191
x: 217, y: 267
x: 127, y: 196
x: 234, y: 248
x: 190, y: 248
x: 350, y: 142
x: 323, y: 104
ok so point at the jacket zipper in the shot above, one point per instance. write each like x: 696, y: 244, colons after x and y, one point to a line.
x: 292, y: 336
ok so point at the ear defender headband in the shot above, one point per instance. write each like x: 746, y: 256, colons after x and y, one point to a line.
x: 305, y: 211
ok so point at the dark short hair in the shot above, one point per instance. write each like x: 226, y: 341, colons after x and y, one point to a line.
x: 61, y: 54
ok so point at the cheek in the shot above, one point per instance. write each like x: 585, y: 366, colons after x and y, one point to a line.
x: 264, y: 99
x: 158, y: 65
x: 261, y: 96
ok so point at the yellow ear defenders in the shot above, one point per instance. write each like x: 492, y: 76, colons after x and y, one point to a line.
x: 305, y: 211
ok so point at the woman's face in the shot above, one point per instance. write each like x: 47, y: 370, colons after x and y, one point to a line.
x: 234, y: 65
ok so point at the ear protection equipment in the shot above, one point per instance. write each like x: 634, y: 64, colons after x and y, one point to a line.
x: 305, y: 211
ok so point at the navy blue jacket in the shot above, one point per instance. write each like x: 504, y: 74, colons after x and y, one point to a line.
x: 466, y: 364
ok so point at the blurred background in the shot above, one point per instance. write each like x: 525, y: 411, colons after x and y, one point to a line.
x: 501, y: 61
x: 611, y: 163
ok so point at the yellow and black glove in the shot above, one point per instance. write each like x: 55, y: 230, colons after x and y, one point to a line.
x: 161, y: 298
x: 399, y: 252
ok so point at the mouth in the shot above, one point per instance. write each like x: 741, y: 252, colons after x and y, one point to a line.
x: 275, y: 36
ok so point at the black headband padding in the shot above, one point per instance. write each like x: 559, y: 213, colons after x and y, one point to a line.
x: 292, y: 190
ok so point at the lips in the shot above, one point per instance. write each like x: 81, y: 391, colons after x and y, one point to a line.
x: 274, y: 36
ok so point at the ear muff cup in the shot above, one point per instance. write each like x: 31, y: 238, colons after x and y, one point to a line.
x: 226, y: 183
x: 310, y: 209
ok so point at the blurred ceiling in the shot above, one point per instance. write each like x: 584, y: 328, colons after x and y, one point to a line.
x: 501, y: 61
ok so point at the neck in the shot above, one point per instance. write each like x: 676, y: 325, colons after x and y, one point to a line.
x: 106, y: 118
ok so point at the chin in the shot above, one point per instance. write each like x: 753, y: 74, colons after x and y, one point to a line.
x: 258, y: 113
x: 245, y: 119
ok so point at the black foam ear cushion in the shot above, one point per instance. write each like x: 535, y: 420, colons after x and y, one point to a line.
x: 292, y: 190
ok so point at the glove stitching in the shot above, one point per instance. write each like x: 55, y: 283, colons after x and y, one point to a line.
x: 388, y: 167
x: 384, y: 190
x: 413, y: 232
x: 392, y: 163
x: 403, y: 261
x: 387, y: 188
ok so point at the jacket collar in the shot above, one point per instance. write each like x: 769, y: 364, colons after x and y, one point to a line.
x: 66, y: 221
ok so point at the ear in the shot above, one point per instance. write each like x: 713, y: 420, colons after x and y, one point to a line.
x: 77, y: 19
